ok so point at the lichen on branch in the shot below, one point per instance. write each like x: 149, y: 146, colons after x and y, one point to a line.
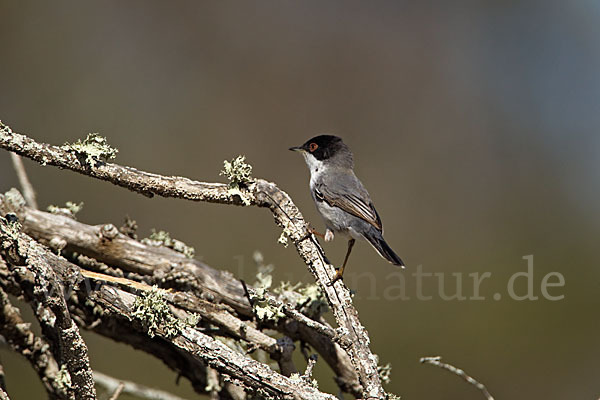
x: 238, y: 172
x: 93, y: 149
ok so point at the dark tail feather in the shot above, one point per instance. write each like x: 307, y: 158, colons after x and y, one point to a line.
x: 376, y: 239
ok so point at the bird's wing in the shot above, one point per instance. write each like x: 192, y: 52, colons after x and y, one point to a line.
x: 351, y: 197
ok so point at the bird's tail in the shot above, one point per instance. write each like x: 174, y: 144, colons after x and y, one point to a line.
x: 376, y: 239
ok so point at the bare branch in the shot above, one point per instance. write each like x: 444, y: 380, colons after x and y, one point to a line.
x: 28, y: 191
x: 167, y: 268
x: 119, y: 307
x: 437, y: 361
x: 2, y: 376
x: 117, y: 391
x: 23, y: 340
x: 26, y: 261
x: 259, y: 193
x: 312, y: 360
x: 112, y: 385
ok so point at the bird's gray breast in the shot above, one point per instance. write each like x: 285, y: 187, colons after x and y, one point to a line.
x: 335, y: 218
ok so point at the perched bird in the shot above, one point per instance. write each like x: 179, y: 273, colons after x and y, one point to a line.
x: 341, y: 198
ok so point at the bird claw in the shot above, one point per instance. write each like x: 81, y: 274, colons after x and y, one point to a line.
x: 337, y: 277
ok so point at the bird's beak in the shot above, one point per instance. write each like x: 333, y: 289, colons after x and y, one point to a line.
x: 296, y: 148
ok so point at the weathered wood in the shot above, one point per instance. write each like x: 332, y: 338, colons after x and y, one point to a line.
x: 260, y: 193
x: 110, y: 303
x: 170, y: 269
x: 30, y: 265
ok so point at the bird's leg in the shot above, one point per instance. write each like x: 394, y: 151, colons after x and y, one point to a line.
x: 340, y: 272
x: 328, y: 235
x: 315, y: 232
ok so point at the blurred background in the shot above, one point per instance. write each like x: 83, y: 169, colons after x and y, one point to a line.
x: 474, y: 127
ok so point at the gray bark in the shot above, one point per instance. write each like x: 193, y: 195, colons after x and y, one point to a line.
x: 258, y: 193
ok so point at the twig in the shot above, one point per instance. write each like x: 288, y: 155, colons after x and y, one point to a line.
x: 2, y: 376
x: 259, y: 193
x: 3, y: 395
x: 437, y: 361
x: 112, y: 385
x: 312, y: 360
x: 213, y: 386
x: 298, y: 316
x: 117, y: 391
x: 28, y: 191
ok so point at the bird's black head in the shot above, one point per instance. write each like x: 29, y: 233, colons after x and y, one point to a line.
x: 323, y: 147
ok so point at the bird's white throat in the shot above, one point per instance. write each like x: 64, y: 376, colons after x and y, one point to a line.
x: 315, y: 166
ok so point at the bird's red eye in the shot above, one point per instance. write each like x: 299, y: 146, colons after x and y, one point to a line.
x: 312, y: 147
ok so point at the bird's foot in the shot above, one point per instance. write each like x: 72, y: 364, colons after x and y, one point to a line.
x: 316, y: 233
x: 337, y: 277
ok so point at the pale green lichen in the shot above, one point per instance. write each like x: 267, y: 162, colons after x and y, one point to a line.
x: 63, y: 378
x: 237, y: 171
x: 304, y: 379
x: 153, y: 311
x: 296, y: 377
x: 93, y: 150
x: 313, y: 300
x: 392, y: 396
x: 239, y: 174
x: 13, y: 226
x: 15, y: 199
x: 162, y: 238
x: 129, y: 227
x: 385, y: 372
x: 213, y: 385
x: 309, y: 298
x: 262, y: 308
x: 69, y: 210
x: 283, y: 239
x: 192, y: 320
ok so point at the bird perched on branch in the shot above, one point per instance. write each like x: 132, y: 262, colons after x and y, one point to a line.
x: 341, y: 198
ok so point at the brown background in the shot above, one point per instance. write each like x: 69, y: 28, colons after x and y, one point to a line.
x: 474, y: 126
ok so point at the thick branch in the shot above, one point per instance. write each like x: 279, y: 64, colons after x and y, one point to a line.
x: 260, y: 193
x: 21, y: 339
x: 166, y: 268
x: 28, y: 264
x: 119, y: 305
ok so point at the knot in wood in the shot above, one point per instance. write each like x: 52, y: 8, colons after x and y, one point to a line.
x: 109, y: 231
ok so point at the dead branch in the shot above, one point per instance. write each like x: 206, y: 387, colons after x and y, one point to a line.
x: 41, y: 287
x: 113, y: 304
x: 169, y: 269
x: 22, y: 339
x: 437, y: 361
x: 26, y: 186
x: 117, y: 391
x: 259, y: 193
x: 112, y: 385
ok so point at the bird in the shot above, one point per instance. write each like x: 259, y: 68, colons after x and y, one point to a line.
x: 341, y: 199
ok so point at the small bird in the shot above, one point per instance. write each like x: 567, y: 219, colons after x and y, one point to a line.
x: 341, y: 198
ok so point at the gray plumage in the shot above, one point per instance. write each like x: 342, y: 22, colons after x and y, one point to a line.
x: 341, y: 198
